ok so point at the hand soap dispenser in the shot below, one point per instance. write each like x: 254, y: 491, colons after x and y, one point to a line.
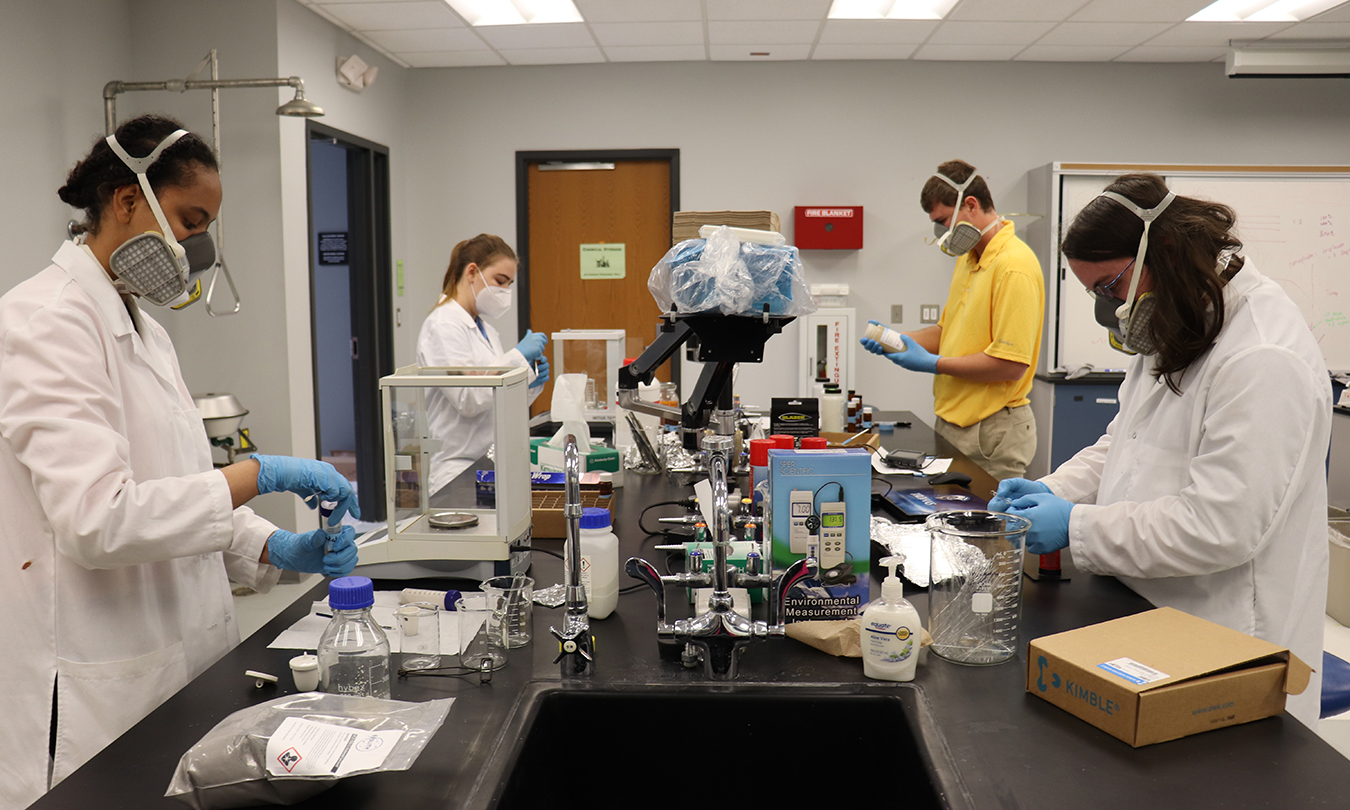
x: 891, y: 633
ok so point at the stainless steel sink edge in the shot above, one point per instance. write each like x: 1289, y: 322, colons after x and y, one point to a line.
x: 491, y: 781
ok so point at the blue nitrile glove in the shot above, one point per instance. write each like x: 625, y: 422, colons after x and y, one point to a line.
x: 306, y: 477
x: 1049, y: 516
x: 914, y: 357
x: 541, y: 370
x: 1010, y: 489
x: 532, y: 345
x: 315, y: 552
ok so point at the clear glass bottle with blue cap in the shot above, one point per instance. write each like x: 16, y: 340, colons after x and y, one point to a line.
x: 353, y: 650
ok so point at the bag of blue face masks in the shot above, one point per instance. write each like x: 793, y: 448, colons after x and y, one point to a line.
x: 290, y: 748
x: 724, y: 275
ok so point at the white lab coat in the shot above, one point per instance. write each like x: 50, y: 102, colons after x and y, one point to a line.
x: 461, y: 418
x: 1214, y: 502
x: 117, y: 533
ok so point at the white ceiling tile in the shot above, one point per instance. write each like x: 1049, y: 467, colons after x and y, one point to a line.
x: 759, y: 33
x: 989, y: 33
x: 1146, y: 53
x: 434, y: 39
x: 451, y: 59
x: 871, y: 50
x: 657, y: 53
x: 1006, y: 11
x: 617, y: 11
x: 742, y: 53
x: 766, y: 9
x: 1138, y: 10
x: 347, y: 2
x: 393, y: 16
x: 1340, y: 13
x: 1070, y: 53
x: 1314, y: 30
x: 1128, y: 34
x: 876, y: 31
x: 647, y: 33
x: 552, y: 56
x: 1213, y: 34
x: 966, y: 53
x: 548, y: 35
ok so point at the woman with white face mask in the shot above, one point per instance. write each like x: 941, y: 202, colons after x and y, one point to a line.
x: 120, y: 540
x: 477, y: 285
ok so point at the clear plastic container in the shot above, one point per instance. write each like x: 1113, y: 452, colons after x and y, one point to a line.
x: 353, y: 650
x: 975, y: 594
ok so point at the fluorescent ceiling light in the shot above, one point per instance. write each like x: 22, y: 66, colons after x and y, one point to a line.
x: 890, y: 9
x: 1262, y: 10
x: 516, y: 12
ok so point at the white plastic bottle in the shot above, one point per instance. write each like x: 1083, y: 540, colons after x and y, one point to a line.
x: 599, y: 562
x: 891, y: 632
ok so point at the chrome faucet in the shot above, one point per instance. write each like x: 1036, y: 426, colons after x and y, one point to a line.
x: 719, y: 635
x: 575, y: 645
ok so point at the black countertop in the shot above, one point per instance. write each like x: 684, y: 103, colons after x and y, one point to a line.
x: 1011, y: 750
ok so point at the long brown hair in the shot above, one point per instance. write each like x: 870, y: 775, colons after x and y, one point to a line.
x: 481, y: 250
x: 1184, y: 244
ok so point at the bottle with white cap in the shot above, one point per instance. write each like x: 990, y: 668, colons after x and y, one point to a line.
x: 891, y: 631
x: 599, y: 562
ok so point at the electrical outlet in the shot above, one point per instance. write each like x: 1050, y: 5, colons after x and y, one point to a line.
x: 897, y: 313
x: 928, y: 313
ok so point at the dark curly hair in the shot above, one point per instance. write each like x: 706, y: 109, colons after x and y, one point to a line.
x: 1184, y: 245
x: 91, y: 184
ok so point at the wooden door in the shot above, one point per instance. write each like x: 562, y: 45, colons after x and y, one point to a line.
x: 628, y: 205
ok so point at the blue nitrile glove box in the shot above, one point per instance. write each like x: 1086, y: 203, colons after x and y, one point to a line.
x: 835, y: 475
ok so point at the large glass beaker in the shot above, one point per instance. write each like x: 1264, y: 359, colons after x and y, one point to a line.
x: 975, y: 591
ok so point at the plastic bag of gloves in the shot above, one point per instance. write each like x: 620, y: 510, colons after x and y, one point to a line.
x: 291, y: 748
x: 724, y: 275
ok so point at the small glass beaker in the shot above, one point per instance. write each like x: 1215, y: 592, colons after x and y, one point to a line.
x: 419, y: 635
x: 517, y: 594
x: 482, y: 636
x: 975, y: 592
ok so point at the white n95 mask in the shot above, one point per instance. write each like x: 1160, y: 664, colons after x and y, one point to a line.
x: 155, y: 266
x: 492, y: 302
x: 1134, y: 315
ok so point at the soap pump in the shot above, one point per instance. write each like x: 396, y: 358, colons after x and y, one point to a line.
x: 891, y: 632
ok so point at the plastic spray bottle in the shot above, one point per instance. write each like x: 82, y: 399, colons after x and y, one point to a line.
x: 891, y: 632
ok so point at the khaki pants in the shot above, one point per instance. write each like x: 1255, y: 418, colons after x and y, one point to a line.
x: 1002, y: 443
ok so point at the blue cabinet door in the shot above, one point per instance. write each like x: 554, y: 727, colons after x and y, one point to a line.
x: 1082, y: 413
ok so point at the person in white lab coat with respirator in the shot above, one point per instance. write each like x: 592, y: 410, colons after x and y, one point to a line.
x: 477, y: 285
x: 1208, y: 491
x: 120, y: 539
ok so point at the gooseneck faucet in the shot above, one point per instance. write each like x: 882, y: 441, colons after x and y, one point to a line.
x: 718, y: 636
x: 575, y: 646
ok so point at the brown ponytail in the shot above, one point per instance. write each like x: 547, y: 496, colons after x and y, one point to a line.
x: 481, y: 250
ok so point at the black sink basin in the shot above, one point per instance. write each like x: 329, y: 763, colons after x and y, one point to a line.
x: 742, y: 745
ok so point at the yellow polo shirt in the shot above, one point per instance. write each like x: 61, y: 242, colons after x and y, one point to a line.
x: 995, y: 306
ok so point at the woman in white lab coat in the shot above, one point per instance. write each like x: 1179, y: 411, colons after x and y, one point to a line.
x: 1208, y: 492
x: 118, y: 534
x: 477, y: 285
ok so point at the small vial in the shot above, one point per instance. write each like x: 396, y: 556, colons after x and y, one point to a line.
x: 867, y: 417
x: 326, y: 509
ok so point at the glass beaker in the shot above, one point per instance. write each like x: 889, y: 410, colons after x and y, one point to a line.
x: 975, y: 592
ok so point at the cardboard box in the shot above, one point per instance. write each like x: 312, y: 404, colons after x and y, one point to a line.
x: 1163, y: 674
x: 546, y: 458
x: 548, y: 518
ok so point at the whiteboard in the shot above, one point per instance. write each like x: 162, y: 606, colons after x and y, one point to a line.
x: 1296, y: 229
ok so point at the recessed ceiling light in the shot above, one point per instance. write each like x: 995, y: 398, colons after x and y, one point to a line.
x: 890, y: 9
x: 1261, y: 10
x: 515, y: 12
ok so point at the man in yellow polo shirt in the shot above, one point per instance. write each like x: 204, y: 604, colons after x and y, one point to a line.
x: 986, y: 344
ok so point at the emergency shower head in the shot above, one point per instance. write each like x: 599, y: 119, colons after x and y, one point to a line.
x: 300, y: 106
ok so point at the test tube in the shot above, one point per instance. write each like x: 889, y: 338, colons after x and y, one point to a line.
x: 325, y: 515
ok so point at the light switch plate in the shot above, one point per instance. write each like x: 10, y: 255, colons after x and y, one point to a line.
x: 928, y: 313
x: 897, y: 313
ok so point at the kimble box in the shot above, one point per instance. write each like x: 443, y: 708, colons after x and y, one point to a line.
x: 1163, y: 674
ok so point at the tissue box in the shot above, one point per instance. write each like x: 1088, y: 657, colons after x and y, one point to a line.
x: 546, y: 458
x: 1161, y: 675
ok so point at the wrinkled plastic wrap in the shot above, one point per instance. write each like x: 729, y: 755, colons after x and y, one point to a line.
x: 724, y: 275
x: 228, y: 767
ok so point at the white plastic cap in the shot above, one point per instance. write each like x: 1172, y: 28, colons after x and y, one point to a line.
x: 892, y: 589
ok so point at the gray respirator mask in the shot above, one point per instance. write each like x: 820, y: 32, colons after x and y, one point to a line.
x: 1129, y: 321
x: 156, y: 266
x: 961, y: 237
